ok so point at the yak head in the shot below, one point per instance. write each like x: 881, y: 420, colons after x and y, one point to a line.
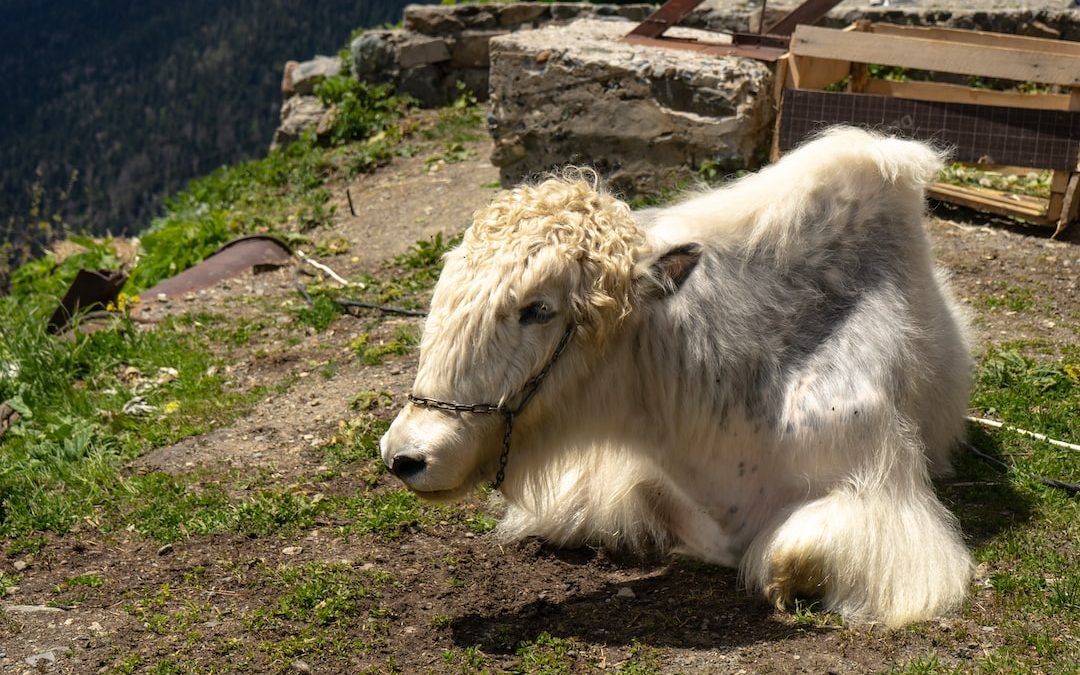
x: 545, y: 279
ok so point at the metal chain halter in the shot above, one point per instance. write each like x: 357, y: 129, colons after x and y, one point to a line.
x: 527, y: 391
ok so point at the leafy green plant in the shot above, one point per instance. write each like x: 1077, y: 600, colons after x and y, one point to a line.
x: 361, y: 109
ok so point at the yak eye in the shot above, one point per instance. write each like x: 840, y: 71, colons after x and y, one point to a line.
x: 537, y: 312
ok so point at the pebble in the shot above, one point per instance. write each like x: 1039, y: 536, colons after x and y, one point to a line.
x: 301, y: 666
x: 20, y: 565
x: 292, y: 550
x: 626, y: 592
x: 165, y: 550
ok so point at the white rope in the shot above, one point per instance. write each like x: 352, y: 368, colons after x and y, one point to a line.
x: 323, y: 268
x: 1023, y: 432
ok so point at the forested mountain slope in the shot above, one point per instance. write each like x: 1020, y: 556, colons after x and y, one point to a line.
x: 112, y: 104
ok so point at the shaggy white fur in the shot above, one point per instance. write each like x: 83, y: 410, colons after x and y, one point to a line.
x: 765, y: 377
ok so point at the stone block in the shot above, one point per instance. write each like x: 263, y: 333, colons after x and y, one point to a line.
x: 470, y: 49
x: 421, y: 50
x: 307, y: 74
x: 374, y: 55
x: 644, y: 118
x: 512, y: 16
x: 298, y: 114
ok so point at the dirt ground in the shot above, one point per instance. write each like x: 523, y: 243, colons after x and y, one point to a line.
x: 453, y: 589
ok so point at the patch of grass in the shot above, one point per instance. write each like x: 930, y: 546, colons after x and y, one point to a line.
x: 1009, y: 297
x: 169, y: 508
x: 644, y: 660
x: 480, y: 522
x: 1027, y: 533
x: 809, y: 614
x: 453, y: 153
x: 405, y: 339
x: 8, y: 581
x: 460, y: 122
x: 922, y: 665
x: 407, y: 278
x: 85, y: 580
x: 387, y: 514
x: 89, y: 403
x: 467, y: 661
x: 370, y: 400
x: 361, y: 109
x: 549, y: 655
x: 320, y: 315
x: 356, y: 440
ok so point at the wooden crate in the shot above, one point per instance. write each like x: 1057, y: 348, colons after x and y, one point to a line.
x: 1032, y: 131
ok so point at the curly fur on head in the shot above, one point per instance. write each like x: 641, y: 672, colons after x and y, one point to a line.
x: 585, y: 224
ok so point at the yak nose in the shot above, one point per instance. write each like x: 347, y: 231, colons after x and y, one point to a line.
x: 407, y: 465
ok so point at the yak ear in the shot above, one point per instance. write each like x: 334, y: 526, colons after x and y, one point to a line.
x: 670, y: 270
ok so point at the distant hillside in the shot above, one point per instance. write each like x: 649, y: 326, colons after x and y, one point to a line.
x: 132, y: 99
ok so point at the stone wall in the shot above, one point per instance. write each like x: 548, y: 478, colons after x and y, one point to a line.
x: 567, y: 91
x: 644, y: 119
x: 441, y: 45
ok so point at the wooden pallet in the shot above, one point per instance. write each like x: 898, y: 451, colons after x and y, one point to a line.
x: 1034, y: 131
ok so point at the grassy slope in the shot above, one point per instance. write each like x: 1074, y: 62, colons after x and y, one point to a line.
x: 62, y: 462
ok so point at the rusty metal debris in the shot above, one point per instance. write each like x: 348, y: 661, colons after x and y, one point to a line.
x: 766, y: 45
x: 258, y: 252
x: 91, y: 290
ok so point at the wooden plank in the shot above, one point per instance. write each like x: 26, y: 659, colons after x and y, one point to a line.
x: 1045, y: 139
x: 953, y: 93
x: 980, y: 38
x: 891, y: 50
x: 781, y: 81
x: 988, y: 200
x: 816, y: 73
x: 1058, y: 183
x: 1071, y: 206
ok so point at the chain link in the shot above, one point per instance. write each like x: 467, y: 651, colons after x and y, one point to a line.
x: 525, y: 394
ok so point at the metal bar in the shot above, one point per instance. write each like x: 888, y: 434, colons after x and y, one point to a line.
x: 759, y: 52
x: 810, y: 11
x: 669, y: 14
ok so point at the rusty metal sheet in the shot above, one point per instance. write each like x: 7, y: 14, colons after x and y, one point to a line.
x: 90, y: 290
x: 232, y: 259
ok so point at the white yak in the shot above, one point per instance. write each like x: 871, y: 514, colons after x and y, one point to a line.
x: 764, y: 376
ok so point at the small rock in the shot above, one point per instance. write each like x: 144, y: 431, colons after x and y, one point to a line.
x: 47, y: 656
x: 300, y: 666
x: 20, y: 565
x: 96, y: 627
x: 409, y: 630
x: 626, y: 592
x: 165, y: 550
x: 292, y: 550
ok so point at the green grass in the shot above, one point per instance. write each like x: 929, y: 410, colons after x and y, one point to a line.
x: 1027, y: 534
x: 405, y: 339
x: 1009, y: 297
x: 61, y: 459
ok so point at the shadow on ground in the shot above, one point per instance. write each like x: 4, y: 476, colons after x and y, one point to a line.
x: 682, y: 603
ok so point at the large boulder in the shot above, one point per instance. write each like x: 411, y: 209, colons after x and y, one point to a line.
x: 305, y: 75
x: 644, y: 117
